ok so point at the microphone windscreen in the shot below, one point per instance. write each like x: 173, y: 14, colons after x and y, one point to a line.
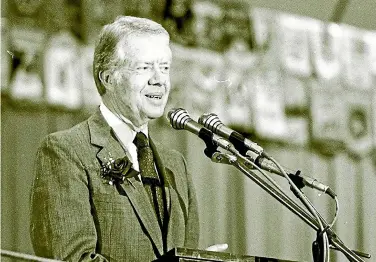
x: 169, y: 113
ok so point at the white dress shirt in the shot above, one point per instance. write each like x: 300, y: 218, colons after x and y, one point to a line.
x: 125, y: 133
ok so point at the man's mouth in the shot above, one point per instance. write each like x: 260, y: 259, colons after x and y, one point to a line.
x: 154, y: 96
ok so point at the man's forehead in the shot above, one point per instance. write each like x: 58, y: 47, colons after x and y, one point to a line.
x: 144, y: 49
x: 148, y: 41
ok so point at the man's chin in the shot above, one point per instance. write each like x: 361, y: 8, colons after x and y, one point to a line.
x: 153, y: 112
x: 155, y: 115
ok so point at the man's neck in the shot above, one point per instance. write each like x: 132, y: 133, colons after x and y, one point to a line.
x: 131, y: 125
x: 116, y: 118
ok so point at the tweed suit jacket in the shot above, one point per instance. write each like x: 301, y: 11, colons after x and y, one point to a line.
x: 77, y: 216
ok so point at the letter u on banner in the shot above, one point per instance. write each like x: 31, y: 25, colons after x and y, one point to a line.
x: 326, y: 41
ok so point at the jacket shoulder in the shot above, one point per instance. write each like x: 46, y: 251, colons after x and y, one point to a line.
x: 74, y: 143
x: 75, y: 135
x: 168, y: 154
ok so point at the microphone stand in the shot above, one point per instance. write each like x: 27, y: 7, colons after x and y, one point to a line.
x: 320, y: 247
x: 179, y: 119
x: 244, y: 165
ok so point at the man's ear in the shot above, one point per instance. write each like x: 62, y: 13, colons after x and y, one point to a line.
x: 106, y: 79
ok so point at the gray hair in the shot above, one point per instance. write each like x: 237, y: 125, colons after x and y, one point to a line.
x: 106, y: 48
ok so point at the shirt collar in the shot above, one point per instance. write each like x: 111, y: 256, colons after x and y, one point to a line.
x: 124, y: 129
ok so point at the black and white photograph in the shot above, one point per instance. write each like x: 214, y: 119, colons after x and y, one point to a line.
x: 188, y: 130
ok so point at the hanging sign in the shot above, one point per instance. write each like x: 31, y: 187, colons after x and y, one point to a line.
x: 61, y: 71
x: 268, y: 106
x: 295, y: 92
x: 359, y: 122
x: 357, y: 58
x: 294, y: 44
x: 327, y: 117
x: 326, y: 41
x: 237, y: 83
x: 26, y: 52
x: 264, y: 24
x: 205, y: 76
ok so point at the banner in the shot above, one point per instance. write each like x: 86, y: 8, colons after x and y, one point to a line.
x: 206, y: 81
x: 326, y: 43
x: 294, y: 44
x: 328, y: 114
x: 296, y: 100
x: 264, y: 27
x: 237, y: 83
x: 357, y: 58
x: 26, y: 52
x: 196, y: 85
x: 359, y: 116
x: 268, y: 106
x: 61, y: 72
x: 295, y: 91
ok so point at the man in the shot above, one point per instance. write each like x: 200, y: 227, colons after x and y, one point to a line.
x: 82, y: 208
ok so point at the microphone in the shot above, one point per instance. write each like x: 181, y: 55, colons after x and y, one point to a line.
x: 242, y: 144
x: 298, y: 179
x: 180, y: 119
x: 245, y: 146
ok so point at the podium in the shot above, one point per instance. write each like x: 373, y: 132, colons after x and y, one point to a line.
x: 180, y: 254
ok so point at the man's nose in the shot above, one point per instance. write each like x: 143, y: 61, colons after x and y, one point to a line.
x: 157, y: 78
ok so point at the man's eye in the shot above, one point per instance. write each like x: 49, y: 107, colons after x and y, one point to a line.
x: 165, y: 69
x: 143, y: 68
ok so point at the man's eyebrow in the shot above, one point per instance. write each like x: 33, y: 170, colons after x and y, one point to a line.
x: 151, y: 63
x: 143, y: 62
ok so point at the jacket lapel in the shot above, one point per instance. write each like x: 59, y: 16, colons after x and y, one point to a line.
x: 109, y: 148
x: 175, y: 200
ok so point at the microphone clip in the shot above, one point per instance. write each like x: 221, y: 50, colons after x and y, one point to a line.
x: 298, y: 182
x: 207, y: 136
x: 223, y: 158
x: 297, y: 179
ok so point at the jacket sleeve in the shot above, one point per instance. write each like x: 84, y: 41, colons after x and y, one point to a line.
x: 192, y: 228
x: 62, y: 226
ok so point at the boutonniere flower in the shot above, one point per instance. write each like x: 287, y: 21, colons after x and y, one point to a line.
x: 118, y: 170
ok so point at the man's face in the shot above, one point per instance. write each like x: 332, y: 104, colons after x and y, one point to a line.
x: 142, y: 82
